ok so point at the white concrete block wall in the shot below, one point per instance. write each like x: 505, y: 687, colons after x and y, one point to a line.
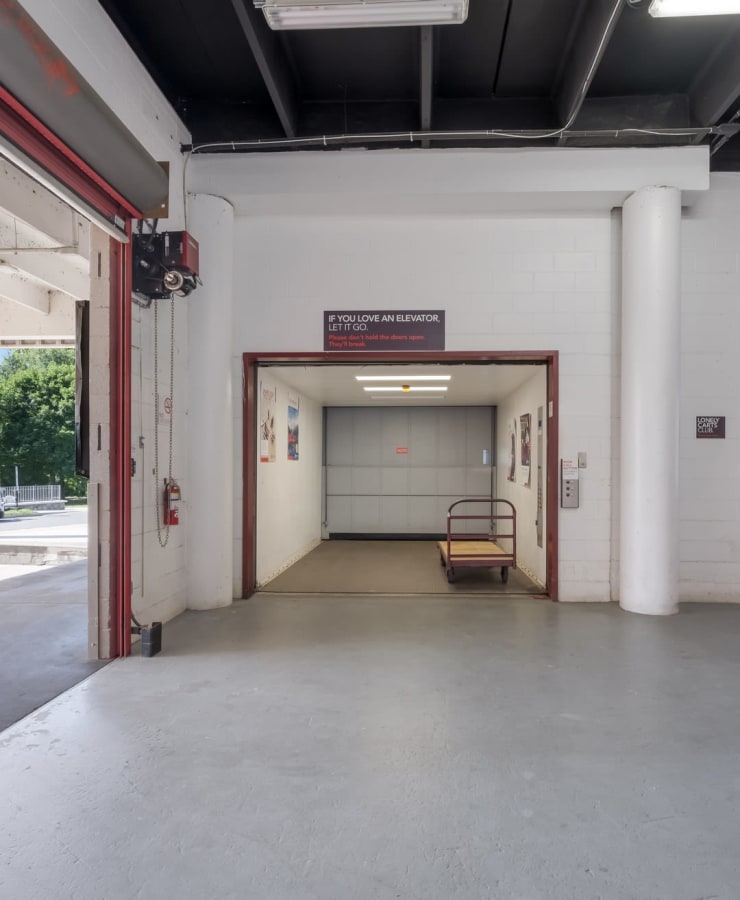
x: 507, y: 283
x: 99, y: 575
x: 161, y: 576
x: 710, y: 385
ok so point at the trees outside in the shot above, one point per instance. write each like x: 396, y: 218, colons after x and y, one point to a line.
x: 37, y: 418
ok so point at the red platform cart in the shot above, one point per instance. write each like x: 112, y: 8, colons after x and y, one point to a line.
x: 491, y: 545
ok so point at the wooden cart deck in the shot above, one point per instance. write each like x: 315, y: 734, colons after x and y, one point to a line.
x: 484, y: 550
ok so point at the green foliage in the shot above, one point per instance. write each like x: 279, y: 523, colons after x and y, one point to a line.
x: 37, y: 427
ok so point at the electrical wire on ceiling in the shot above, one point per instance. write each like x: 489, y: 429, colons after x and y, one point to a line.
x: 725, y: 131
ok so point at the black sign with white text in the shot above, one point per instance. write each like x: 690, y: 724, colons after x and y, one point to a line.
x: 710, y: 426
x: 384, y: 329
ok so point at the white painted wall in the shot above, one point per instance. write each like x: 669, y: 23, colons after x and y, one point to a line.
x: 710, y: 385
x: 85, y: 34
x: 518, y: 263
x: 288, y: 491
x: 158, y: 573
x: 507, y: 282
x: 525, y: 400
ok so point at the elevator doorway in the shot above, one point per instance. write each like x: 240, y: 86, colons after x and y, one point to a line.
x: 272, y: 507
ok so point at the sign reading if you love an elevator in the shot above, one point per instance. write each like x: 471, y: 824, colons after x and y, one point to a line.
x: 710, y: 426
x: 384, y: 329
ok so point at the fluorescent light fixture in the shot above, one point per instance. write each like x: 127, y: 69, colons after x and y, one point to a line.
x: 416, y: 399
x: 660, y: 8
x: 286, y: 14
x: 406, y: 389
x: 404, y: 378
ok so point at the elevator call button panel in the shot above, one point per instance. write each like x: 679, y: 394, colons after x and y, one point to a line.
x: 569, y: 484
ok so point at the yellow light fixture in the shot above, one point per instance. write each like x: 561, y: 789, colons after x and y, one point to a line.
x: 405, y: 388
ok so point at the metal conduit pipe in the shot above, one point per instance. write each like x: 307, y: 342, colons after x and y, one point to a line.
x: 43, y: 80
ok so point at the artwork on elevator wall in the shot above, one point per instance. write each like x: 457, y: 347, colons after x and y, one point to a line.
x: 525, y: 443
x: 294, y: 405
x: 268, y: 402
x: 512, y: 457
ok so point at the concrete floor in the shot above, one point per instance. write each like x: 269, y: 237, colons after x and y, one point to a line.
x: 390, y: 567
x: 43, y: 639
x: 333, y: 748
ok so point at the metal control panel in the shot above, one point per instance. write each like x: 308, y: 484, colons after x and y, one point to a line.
x: 569, y: 498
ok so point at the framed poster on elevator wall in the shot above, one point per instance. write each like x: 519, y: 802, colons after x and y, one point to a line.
x: 268, y: 403
x: 294, y: 406
x: 525, y: 451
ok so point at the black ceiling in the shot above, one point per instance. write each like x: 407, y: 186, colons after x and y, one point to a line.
x: 543, y: 72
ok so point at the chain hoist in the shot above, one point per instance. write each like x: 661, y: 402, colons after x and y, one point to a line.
x: 171, y: 493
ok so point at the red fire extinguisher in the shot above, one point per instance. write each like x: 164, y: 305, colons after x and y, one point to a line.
x: 171, y: 502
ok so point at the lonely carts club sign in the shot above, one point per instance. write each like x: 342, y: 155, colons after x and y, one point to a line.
x: 384, y: 329
x: 710, y: 426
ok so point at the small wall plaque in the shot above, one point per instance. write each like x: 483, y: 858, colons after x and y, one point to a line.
x: 710, y: 426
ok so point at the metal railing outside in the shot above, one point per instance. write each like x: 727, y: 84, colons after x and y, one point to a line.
x: 33, y: 493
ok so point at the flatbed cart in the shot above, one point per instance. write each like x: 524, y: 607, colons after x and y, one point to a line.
x: 482, y: 548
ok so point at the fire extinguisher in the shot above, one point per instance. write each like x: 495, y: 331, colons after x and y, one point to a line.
x: 171, y: 502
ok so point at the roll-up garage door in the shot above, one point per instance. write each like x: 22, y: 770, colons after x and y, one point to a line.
x: 57, y: 129
x: 52, y: 121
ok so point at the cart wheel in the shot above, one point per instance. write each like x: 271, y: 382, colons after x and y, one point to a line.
x: 504, y: 574
x: 450, y: 575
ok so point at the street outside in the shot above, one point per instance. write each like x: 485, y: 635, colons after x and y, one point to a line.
x: 60, y: 528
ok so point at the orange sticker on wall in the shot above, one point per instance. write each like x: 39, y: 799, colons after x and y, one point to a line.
x: 402, y: 451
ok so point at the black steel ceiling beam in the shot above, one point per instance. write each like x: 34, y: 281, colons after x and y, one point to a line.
x: 717, y: 87
x: 658, y: 111
x: 616, y: 120
x: 426, y: 39
x: 595, y: 28
x: 272, y: 63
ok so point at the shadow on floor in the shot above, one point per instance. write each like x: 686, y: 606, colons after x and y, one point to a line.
x: 43, y: 639
x: 389, y: 567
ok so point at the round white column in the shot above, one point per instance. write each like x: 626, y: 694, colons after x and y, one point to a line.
x: 209, y: 495
x: 651, y: 334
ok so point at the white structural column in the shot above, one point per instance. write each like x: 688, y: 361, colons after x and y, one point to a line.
x: 650, y: 401
x: 210, y: 495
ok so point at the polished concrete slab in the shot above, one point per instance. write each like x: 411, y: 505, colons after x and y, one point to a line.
x: 390, y: 567
x: 424, y: 748
x: 43, y: 638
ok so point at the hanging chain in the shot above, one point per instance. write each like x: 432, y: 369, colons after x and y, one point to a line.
x: 163, y: 540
